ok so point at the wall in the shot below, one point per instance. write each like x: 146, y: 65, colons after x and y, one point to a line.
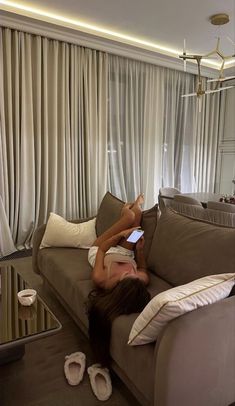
x: 226, y: 149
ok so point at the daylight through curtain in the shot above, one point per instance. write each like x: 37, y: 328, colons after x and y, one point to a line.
x: 157, y: 138
x: 135, y: 130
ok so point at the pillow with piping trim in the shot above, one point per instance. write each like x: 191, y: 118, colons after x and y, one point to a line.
x: 177, y: 301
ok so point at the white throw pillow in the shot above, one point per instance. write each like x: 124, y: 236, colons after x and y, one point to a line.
x: 61, y: 233
x: 174, y: 302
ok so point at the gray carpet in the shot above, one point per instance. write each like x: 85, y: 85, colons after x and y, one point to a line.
x: 38, y: 379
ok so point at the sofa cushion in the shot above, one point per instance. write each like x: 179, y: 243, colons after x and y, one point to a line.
x: 136, y: 363
x: 133, y: 360
x: 69, y: 272
x: 79, y: 301
x: 64, y: 265
x: 184, y: 249
x: 177, y: 301
x: 157, y: 285
x: 108, y: 213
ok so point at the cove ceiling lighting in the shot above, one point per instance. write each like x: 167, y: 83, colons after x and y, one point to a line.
x: 91, y: 28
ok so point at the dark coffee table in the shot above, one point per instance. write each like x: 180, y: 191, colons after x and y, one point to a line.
x: 21, y: 324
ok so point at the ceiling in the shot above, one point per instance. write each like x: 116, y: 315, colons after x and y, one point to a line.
x: 147, y: 24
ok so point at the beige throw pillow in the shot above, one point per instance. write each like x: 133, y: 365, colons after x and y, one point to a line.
x: 177, y: 301
x: 62, y: 233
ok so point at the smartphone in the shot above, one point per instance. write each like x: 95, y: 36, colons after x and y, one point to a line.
x: 135, y: 236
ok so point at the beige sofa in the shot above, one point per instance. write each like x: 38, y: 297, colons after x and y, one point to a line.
x: 193, y: 361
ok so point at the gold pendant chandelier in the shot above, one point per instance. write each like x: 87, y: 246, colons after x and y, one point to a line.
x: 217, y: 19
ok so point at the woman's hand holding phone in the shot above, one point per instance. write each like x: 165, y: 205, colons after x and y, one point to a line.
x: 125, y: 233
x: 140, y: 244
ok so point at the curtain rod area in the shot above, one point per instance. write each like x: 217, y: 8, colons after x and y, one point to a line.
x: 76, y: 37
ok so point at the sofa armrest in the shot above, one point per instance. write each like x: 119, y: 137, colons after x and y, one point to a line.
x: 38, y: 236
x: 195, y: 358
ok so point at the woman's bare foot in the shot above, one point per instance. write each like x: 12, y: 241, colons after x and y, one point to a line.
x: 127, y: 205
x: 137, y: 209
x: 139, y: 200
x: 136, y: 205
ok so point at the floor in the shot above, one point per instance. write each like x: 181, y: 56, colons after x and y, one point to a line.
x: 38, y: 378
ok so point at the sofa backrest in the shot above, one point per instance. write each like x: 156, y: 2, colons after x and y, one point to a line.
x: 184, y: 249
x: 148, y: 224
x: 108, y: 212
x: 191, y: 210
x: 218, y: 217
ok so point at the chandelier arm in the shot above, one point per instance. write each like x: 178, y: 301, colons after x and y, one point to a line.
x: 199, y: 70
x: 189, y: 95
x: 214, y: 52
x: 188, y: 56
x: 220, y: 75
x: 199, y: 89
x: 199, y: 101
x: 220, y: 54
x: 229, y: 56
x: 221, y: 79
x: 218, y: 90
x: 221, y: 69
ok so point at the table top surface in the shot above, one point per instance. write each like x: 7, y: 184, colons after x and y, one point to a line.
x: 21, y: 324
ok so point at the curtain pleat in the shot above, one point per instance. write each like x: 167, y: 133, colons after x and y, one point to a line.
x: 53, y: 133
x: 208, y: 126
x: 134, y: 136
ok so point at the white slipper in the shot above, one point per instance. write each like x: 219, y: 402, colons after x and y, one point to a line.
x: 100, y: 381
x: 74, y: 367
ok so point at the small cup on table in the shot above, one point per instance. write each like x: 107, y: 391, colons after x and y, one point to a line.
x: 27, y: 297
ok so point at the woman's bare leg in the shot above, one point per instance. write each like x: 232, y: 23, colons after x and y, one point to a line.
x: 136, y: 208
x: 126, y: 221
x: 130, y: 217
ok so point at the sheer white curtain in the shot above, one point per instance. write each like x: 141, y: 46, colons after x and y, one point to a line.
x: 208, y: 127
x: 156, y: 138
x: 191, y: 134
x: 53, y: 131
x: 178, y: 136
x: 136, y: 95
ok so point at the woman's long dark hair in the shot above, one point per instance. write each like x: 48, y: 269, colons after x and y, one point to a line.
x: 128, y: 296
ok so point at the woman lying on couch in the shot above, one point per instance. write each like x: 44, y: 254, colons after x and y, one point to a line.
x: 112, y: 256
x: 120, y: 274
